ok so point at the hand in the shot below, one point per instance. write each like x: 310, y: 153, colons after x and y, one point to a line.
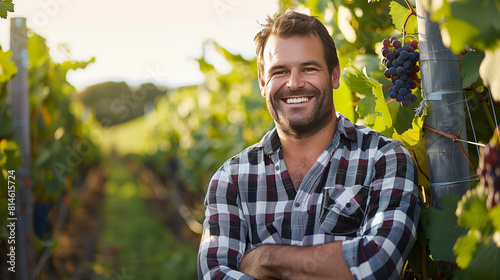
x: 272, y: 262
x: 252, y: 264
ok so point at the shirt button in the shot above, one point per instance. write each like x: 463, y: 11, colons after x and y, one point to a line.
x: 277, y: 167
x: 348, y: 204
x: 297, y: 204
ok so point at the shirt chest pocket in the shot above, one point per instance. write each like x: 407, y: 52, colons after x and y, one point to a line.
x: 343, y: 210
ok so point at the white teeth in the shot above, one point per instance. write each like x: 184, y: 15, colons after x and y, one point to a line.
x: 297, y: 100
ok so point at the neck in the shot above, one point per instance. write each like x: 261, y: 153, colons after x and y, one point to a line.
x: 309, y: 147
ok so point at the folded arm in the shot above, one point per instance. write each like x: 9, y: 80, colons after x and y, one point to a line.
x: 292, y: 262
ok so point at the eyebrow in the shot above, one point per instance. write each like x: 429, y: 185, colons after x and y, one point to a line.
x: 306, y: 63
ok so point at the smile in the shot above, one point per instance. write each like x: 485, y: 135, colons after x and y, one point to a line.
x: 297, y: 100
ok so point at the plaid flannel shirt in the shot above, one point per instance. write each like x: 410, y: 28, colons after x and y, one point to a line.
x: 362, y: 190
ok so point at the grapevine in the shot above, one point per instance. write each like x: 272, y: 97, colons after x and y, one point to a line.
x: 401, y: 66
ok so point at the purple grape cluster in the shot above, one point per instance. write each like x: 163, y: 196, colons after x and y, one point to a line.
x: 489, y: 172
x: 401, y: 66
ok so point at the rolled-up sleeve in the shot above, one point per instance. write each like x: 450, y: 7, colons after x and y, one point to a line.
x: 391, y: 222
x: 225, y: 231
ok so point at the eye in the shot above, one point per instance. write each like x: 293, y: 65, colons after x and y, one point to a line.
x: 309, y: 69
x: 281, y: 72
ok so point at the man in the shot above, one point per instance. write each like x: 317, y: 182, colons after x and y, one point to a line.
x: 317, y: 197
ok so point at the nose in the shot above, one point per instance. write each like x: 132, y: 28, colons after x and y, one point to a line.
x: 295, y: 81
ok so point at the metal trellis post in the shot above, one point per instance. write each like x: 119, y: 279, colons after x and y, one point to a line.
x: 18, y: 92
x: 442, y: 87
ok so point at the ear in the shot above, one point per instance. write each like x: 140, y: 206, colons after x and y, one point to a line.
x: 262, y: 84
x: 336, y: 77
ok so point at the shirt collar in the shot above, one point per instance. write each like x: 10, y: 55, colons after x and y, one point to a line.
x: 345, y: 128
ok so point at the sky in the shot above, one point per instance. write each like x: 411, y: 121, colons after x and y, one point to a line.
x: 141, y: 41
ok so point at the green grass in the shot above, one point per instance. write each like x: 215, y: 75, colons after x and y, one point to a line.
x: 140, y: 246
x: 133, y: 136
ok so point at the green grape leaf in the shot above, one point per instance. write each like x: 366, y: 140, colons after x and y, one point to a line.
x: 205, y: 67
x: 378, y: 124
x: 495, y: 217
x: 441, y: 228
x: 489, y: 72
x: 485, y: 263
x: 412, y: 25
x: 470, y: 67
x: 360, y: 82
x: 357, y: 81
x: 466, y: 247
x: 75, y: 65
x: 460, y: 23
x: 38, y: 52
x: 436, y: 9
x: 456, y: 33
x: 414, y: 140
x: 342, y: 98
x: 381, y: 105
x: 7, y: 67
x: 472, y: 212
x: 366, y: 106
x: 402, y: 116
x: 399, y: 15
x: 488, y: 23
x: 6, y: 6
x: 370, y: 64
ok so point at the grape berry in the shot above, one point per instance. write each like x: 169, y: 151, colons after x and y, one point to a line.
x: 401, y: 66
x: 489, y: 171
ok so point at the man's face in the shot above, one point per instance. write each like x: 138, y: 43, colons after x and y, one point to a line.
x: 296, y: 84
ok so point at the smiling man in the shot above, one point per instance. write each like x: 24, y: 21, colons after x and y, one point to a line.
x: 318, y: 197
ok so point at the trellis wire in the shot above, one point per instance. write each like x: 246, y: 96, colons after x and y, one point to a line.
x: 469, y: 142
x: 423, y: 103
x: 453, y: 103
x: 493, y: 109
x: 473, y: 177
x: 471, y: 123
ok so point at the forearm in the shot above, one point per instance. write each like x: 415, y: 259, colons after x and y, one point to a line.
x: 292, y: 262
x: 224, y: 235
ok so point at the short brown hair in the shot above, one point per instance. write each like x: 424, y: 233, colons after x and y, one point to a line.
x: 286, y: 24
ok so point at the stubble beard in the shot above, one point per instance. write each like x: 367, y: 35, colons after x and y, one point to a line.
x: 312, y: 123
